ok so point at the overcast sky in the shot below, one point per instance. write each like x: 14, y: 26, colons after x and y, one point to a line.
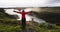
x: 29, y: 3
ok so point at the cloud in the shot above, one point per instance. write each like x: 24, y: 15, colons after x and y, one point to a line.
x: 29, y: 3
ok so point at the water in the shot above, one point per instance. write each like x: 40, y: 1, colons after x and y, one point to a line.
x: 36, y: 19
x: 28, y: 17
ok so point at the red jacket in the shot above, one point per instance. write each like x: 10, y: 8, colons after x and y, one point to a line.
x: 23, y: 14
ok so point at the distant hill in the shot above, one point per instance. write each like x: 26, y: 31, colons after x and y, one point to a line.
x: 49, y: 14
x: 4, y: 15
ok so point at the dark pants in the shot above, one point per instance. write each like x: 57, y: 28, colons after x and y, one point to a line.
x: 23, y: 23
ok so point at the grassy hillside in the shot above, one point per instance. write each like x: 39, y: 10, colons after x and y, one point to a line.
x: 49, y: 14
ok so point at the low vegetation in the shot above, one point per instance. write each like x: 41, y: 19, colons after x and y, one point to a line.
x: 11, y: 25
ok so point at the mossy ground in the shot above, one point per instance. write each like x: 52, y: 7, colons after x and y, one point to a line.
x: 11, y: 25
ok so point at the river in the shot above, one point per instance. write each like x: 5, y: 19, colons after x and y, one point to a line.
x: 28, y: 17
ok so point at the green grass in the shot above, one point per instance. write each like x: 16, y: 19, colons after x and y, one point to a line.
x: 9, y: 28
x: 41, y: 27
